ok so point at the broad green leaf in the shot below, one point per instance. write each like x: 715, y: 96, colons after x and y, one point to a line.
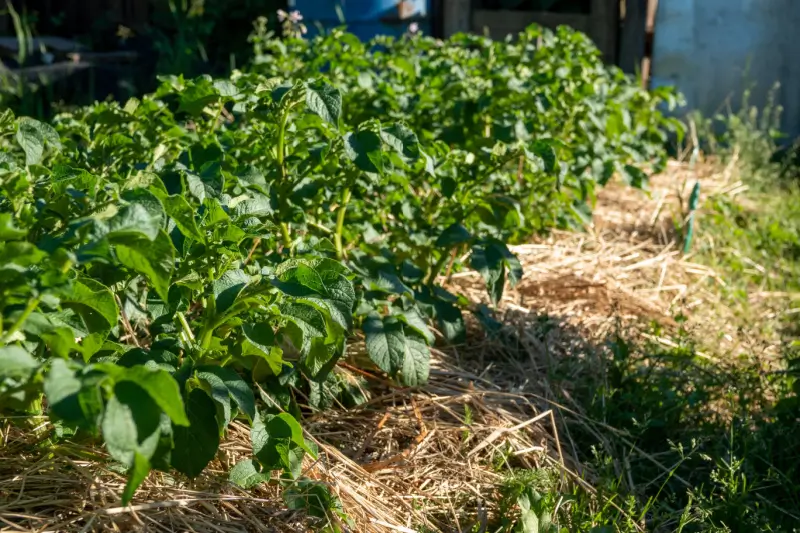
x: 8, y: 231
x: 228, y: 287
x: 135, y: 220
x: 93, y: 302
x: 634, y: 176
x: 414, y: 320
x: 131, y: 423
x: 450, y: 322
x: 263, y: 342
x: 200, y: 440
x: 324, y: 100
x: 308, y: 321
x: 402, y: 140
x: 208, y: 184
x: 270, y: 433
x: 64, y: 176
x: 16, y: 363
x: 182, y: 213
x: 136, y: 476
x: 453, y: 235
x: 325, y: 288
x: 488, y: 261
x: 159, y: 384
x: 219, y: 393
x: 154, y: 259
x: 247, y: 474
x: 32, y: 136
x: 416, y: 361
x: 544, y: 150
x: 225, y: 88
x: 365, y: 149
x: 61, y: 342
x: 197, y: 95
x: 69, y: 398
x: 238, y: 389
x: 258, y: 205
x: 312, y: 497
x: 386, y: 342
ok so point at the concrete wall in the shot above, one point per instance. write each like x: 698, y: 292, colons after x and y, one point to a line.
x: 712, y: 49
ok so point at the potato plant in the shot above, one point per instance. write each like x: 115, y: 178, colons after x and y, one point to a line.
x: 204, y: 254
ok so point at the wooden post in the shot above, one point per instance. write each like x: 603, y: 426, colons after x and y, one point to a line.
x: 631, y: 49
x: 605, y: 27
x: 650, y: 30
x: 457, y: 16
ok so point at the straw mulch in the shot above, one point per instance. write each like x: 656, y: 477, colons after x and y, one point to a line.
x: 425, y: 457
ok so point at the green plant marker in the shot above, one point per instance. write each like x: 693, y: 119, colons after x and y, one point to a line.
x: 693, y: 200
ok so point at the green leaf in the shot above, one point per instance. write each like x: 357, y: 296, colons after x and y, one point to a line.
x: 159, y: 384
x: 32, y: 136
x: 9, y: 232
x: 131, y: 423
x: 236, y: 387
x: 488, y: 261
x: 68, y: 397
x: 136, y: 476
x: 308, y: 321
x: 634, y: 176
x: 135, y: 220
x: 453, y: 235
x: 274, y: 436
x: 154, y: 259
x: 416, y: 361
x: 262, y: 338
x: 64, y: 176
x: 198, y: 443
x: 247, y: 474
x: 219, y: 393
x: 209, y: 184
x: 365, y: 149
x: 414, y: 320
x: 16, y: 363
x: 402, y: 140
x: 385, y: 342
x: 183, y: 214
x: 313, y: 497
x: 94, y: 302
x: 321, y: 284
x: 227, y: 288
x: 544, y: 150
x: 324, y: 100
x: 450, y: 322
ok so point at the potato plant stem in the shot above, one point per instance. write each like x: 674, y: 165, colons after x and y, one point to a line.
x: 340, y: 223
x: 287, y: 238
x: 438, y: 267
x: 33, y: 303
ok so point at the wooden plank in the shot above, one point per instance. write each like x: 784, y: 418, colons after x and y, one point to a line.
x: 56, y: 44
x: 631, y: 49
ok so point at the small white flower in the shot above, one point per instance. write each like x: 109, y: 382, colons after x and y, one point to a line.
x: 295, y: 16
x: 282, y: 16
x: 413, y: 28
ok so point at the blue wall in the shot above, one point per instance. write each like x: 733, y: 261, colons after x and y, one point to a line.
x: 712, y: 49
x: 362, y: 17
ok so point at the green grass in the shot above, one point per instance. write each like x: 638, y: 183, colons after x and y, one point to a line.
x: 676, y: 442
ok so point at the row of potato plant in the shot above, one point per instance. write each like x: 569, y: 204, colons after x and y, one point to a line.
x: 205, y: 253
